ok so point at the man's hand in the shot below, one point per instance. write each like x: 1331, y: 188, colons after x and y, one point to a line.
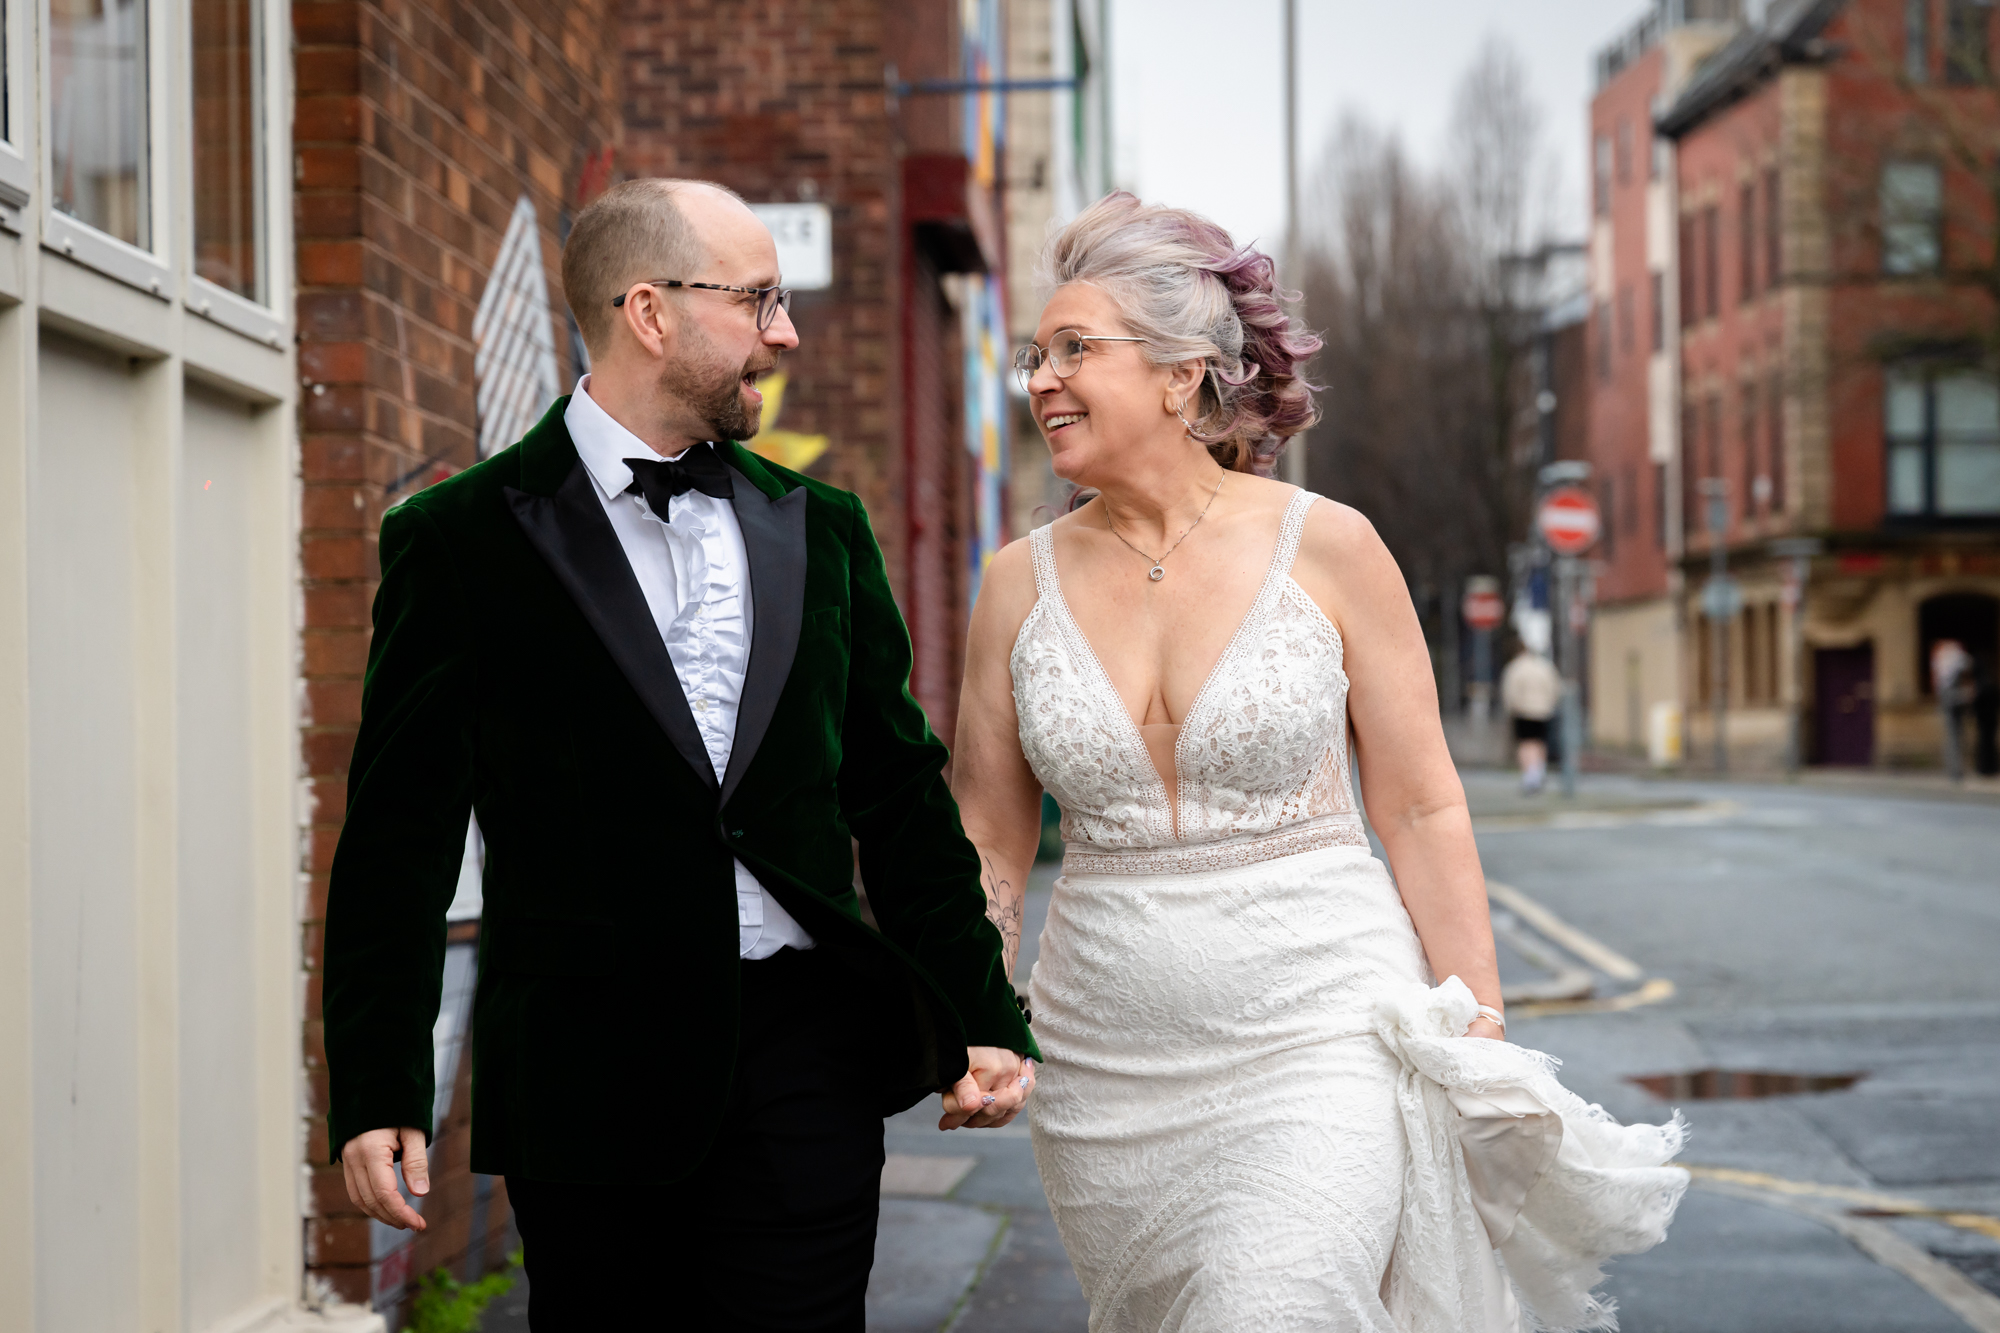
x: 369, y: 1161
x: 995, y: 1088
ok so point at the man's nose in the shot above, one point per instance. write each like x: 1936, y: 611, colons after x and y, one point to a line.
x: 782, y: 333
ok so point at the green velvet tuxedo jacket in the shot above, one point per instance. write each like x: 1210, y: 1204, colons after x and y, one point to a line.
x: 516, y: 672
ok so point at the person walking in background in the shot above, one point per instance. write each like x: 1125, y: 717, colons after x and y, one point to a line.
x: 1531, y: 691
x: 1952, y: 682
x: 670, y: 678
x: 1986, y: 726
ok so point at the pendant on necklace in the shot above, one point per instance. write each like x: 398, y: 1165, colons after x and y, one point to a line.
x: 1156, y: 573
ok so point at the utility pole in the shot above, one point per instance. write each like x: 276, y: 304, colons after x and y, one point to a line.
x: 1295, y: 453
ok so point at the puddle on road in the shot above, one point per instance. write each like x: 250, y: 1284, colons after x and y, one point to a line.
x: 1706, y: 1085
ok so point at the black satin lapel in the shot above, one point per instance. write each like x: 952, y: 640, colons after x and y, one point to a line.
x: 774, y: 536
x: 574, y: 536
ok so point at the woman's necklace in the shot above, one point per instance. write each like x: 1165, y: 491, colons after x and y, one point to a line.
x: 1156, y: 573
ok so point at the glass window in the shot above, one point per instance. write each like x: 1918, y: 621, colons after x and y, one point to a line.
x: 1906, y: 478
x: 1968, y: 41
x: 228, y: 144
x: 1917, y: 40
x: 97, y: 115
x: 1968, y: 444
x: 1943, y: 439
x: 1912, y: 196
x: 1602, y: 165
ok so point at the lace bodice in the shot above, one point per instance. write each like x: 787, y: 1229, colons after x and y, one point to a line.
x: 1263, y: 747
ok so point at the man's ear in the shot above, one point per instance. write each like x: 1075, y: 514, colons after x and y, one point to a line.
x: 650, y: 319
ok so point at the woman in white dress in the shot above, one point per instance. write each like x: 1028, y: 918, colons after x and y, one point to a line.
x: 1258, y: 1111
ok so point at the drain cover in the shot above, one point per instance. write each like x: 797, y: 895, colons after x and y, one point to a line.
x: 1704, y: 1085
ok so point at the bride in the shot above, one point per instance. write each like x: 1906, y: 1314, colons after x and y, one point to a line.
x: 1258, y: 1111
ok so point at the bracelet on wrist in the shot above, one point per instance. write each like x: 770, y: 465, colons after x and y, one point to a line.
x: 1499, y: 1019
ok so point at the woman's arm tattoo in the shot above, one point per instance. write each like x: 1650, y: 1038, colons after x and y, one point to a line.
x: 1005, y: 916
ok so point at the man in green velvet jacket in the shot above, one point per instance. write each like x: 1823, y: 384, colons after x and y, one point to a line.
x: 670, y: 680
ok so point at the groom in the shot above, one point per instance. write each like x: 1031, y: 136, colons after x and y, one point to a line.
x: 669, y: 678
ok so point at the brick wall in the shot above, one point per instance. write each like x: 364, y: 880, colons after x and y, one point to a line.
x: 784, y: 100
x: 417, y: 127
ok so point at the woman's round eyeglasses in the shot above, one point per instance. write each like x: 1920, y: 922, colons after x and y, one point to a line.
x: 1063, y: 354
x: 770, y: 300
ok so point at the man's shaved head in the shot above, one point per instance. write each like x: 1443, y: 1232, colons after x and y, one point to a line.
x: 634, y: 231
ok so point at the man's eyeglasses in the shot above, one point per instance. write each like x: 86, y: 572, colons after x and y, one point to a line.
x: 1064, y: 353
x: 770, y: 300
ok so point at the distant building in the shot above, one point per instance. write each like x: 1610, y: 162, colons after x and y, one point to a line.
x: 1836, y: 171
x: 1058, y: 160
x: 1633, y: 349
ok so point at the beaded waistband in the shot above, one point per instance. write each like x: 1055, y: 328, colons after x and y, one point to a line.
x: 1222, y: 854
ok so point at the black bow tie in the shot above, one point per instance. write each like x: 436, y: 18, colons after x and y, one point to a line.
x: 660, y: 479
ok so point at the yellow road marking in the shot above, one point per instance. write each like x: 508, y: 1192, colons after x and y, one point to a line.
x: 1881, y: 1203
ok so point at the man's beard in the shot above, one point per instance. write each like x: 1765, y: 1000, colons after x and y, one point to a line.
x: 713, y: 392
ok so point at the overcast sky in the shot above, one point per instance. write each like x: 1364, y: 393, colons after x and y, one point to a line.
x: 1198, y: 88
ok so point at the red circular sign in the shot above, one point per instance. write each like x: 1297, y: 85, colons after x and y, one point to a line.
x: 1483, y: 610
x: 1568, y: 521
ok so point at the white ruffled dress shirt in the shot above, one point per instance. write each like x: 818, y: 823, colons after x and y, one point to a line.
x: 695, y: 574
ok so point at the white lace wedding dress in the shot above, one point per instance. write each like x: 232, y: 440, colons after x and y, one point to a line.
x: 1255, y: 1111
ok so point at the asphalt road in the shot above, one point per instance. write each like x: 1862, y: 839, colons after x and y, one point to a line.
x: 1804, y: 932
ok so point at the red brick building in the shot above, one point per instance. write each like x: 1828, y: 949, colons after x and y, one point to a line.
x: 1634, y: 425
x: 1836, y: 174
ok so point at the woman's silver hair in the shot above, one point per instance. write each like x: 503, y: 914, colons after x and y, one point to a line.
x: 1185, y: 287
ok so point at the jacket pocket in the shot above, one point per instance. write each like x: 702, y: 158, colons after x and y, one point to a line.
x: 552, y: 947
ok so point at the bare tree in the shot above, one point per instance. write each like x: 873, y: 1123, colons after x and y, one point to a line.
x: 1415, y: 279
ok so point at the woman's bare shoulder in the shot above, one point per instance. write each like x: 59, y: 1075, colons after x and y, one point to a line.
x: 1342, y: 562
x: 1006, y: 591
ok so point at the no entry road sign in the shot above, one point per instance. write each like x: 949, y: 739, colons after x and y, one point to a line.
x: 1482, y: 609
x: 1567, y: 519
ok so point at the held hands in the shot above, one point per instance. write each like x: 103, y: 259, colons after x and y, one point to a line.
x: 995, y: 1088
x: 369, y: 1163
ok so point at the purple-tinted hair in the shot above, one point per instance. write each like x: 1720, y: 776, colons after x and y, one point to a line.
x: 1193, y: 294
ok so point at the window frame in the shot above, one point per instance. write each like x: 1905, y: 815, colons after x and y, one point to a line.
x: 145, y: 268
x: 264, y: 321
x: 1746, y: 237
x: 1933, y: 222
x: 1927, y: 443
x: 1968, y: 64
x: 17, y: 174
x: 1917, y: 40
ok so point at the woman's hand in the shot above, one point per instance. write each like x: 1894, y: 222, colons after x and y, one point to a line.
x: 1483, y: 1026
x: 995, y: 1088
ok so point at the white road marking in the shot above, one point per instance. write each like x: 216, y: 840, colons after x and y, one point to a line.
x: 1592, y: 951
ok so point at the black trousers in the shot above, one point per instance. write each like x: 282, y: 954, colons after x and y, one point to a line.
x: 775, y: 1230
